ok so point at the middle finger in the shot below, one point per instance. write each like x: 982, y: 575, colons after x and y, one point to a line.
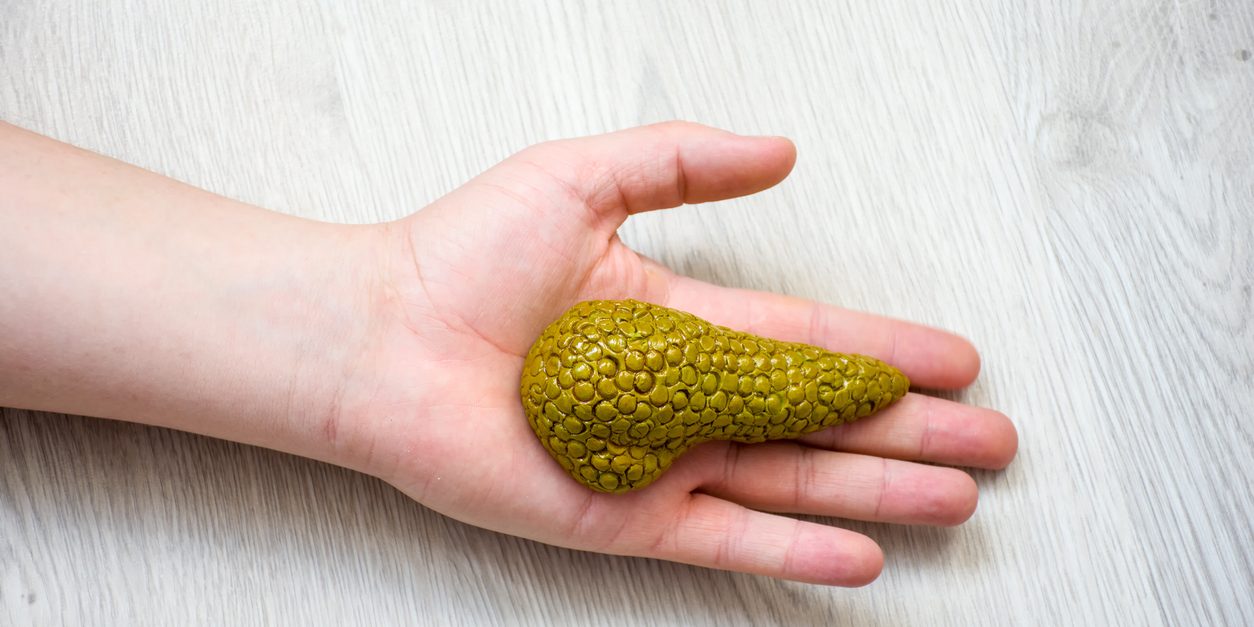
x: 927, y: 429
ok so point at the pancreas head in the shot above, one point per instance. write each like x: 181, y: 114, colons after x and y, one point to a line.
x: 616, y: 390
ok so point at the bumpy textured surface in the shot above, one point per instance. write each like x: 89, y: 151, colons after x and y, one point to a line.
x: 616, y: 390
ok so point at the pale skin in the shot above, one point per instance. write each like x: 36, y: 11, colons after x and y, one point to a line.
x: 395, y: 349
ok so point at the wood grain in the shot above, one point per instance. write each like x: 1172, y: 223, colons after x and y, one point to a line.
x: 1071, y: 184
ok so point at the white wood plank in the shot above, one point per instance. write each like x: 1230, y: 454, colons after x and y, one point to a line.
x: 1071, y: 184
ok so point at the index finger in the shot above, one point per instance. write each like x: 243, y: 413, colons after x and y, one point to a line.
x: 930, y: 357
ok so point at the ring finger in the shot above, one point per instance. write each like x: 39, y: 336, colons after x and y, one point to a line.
x: 792, y: 478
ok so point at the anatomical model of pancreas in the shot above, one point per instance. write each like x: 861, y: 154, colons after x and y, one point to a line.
x: 617, y: 390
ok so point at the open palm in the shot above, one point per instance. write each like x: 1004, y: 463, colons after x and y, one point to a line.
x: 469, y: 283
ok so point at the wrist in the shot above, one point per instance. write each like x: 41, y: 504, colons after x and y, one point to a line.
x: 254, y: 338
x: 310, y: 317
x: 377, y: 363
x: 278, y: 336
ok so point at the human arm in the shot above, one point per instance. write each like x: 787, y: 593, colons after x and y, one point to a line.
x: 395, y: 349
x: 124, y: 294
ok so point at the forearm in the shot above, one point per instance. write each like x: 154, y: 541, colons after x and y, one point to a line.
x: 127, y: 295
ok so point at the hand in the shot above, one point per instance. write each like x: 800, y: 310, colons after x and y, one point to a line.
x: 467, y: 284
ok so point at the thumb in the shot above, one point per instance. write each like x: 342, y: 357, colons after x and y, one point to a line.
x: 653, y: 167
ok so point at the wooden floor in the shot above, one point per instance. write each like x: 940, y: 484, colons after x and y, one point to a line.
x: 1069, y: 183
